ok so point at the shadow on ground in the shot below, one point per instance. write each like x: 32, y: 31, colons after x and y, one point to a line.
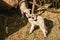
x: 10, y: 22
x: 49, y: 25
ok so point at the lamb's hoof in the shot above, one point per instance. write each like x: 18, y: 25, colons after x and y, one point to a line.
x: 29, y: 32
x: 45, y: 36
x: 22, y: 17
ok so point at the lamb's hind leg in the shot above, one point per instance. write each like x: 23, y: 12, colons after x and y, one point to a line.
x: 43, y: 28
x: 31, y: 29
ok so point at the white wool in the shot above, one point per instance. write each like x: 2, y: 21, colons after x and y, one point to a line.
x: 24, y: 8
x: 39, y: 22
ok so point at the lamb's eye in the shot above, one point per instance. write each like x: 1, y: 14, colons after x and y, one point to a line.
x: 32, y: 17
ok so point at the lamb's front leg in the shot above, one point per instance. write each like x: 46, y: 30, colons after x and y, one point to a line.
x: 22, y: 14
x: 31, y: 29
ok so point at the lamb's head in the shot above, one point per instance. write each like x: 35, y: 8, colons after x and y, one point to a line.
x: 27, y: 11
x: 31, y: 16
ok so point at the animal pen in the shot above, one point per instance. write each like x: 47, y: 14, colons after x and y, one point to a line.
x: 13, y: 27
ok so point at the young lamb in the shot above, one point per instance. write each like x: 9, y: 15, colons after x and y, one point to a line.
x: 23, y: 7
x: 36, y: 20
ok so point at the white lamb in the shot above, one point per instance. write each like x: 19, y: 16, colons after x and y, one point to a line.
x: 23, y: 7
x: 36, y: 20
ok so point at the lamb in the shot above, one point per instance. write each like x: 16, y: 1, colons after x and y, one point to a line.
x: 36, y: 20
x: 23, y: 7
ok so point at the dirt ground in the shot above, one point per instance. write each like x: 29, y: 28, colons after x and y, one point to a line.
x: 13, y: 27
